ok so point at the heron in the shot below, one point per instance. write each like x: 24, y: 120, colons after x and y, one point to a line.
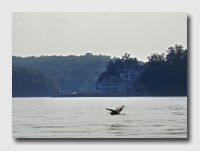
x: 117, y: 111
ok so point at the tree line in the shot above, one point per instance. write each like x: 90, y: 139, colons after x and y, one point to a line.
x: 70, y: 72
x: 166, y: 74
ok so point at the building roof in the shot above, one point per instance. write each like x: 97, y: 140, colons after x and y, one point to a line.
x: 134, y: 67
x: 113, y: 79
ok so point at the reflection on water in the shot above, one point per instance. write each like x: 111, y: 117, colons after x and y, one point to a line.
x: 146, y: 117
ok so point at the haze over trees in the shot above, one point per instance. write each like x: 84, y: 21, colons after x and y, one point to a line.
x: 164, y: 74
x: 30, y: 82
x: 70, y: 72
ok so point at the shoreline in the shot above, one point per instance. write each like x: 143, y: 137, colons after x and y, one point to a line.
x: 104, y: 95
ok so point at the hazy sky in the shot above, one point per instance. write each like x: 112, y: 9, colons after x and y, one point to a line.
x: 113, y: 34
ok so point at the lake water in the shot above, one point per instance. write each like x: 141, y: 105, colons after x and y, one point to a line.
x: 146, y: 117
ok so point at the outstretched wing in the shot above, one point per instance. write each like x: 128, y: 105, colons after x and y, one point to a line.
x: 119, y: 109
x: 110, y: 109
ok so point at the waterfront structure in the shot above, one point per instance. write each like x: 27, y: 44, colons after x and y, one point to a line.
x: 131, y: 73
x: 121, y: 84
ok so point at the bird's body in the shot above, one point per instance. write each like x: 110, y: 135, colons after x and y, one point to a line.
x: 117, y: 111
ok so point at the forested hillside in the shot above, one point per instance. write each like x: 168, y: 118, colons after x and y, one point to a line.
x: 164, y: 74
x: 70, y: 72
x: 30, y: 82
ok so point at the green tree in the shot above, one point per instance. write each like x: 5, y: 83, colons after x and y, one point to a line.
x: 114, y: 68
x: 166, y: 75
x: 30, y: 82
x: 70, y: 72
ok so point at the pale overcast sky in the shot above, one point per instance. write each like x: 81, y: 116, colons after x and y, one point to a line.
x: 113, y: 34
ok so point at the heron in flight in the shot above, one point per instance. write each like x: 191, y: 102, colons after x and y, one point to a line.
x: 117, y: 111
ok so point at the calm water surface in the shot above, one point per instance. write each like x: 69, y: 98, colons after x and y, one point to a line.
x: 146, y: 117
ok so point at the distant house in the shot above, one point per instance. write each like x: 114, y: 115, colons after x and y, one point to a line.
x: 131, y: 73
x: 113, y: 85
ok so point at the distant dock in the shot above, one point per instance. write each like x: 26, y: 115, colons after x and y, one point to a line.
x: 106, y: 95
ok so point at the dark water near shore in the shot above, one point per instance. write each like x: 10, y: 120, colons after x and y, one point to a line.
x: 146, y: 117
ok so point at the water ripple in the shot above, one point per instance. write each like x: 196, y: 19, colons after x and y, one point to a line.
x: 75, y: 118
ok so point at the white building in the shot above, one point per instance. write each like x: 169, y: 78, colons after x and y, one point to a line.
x: 112, y: 84
x: 131, y: 73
